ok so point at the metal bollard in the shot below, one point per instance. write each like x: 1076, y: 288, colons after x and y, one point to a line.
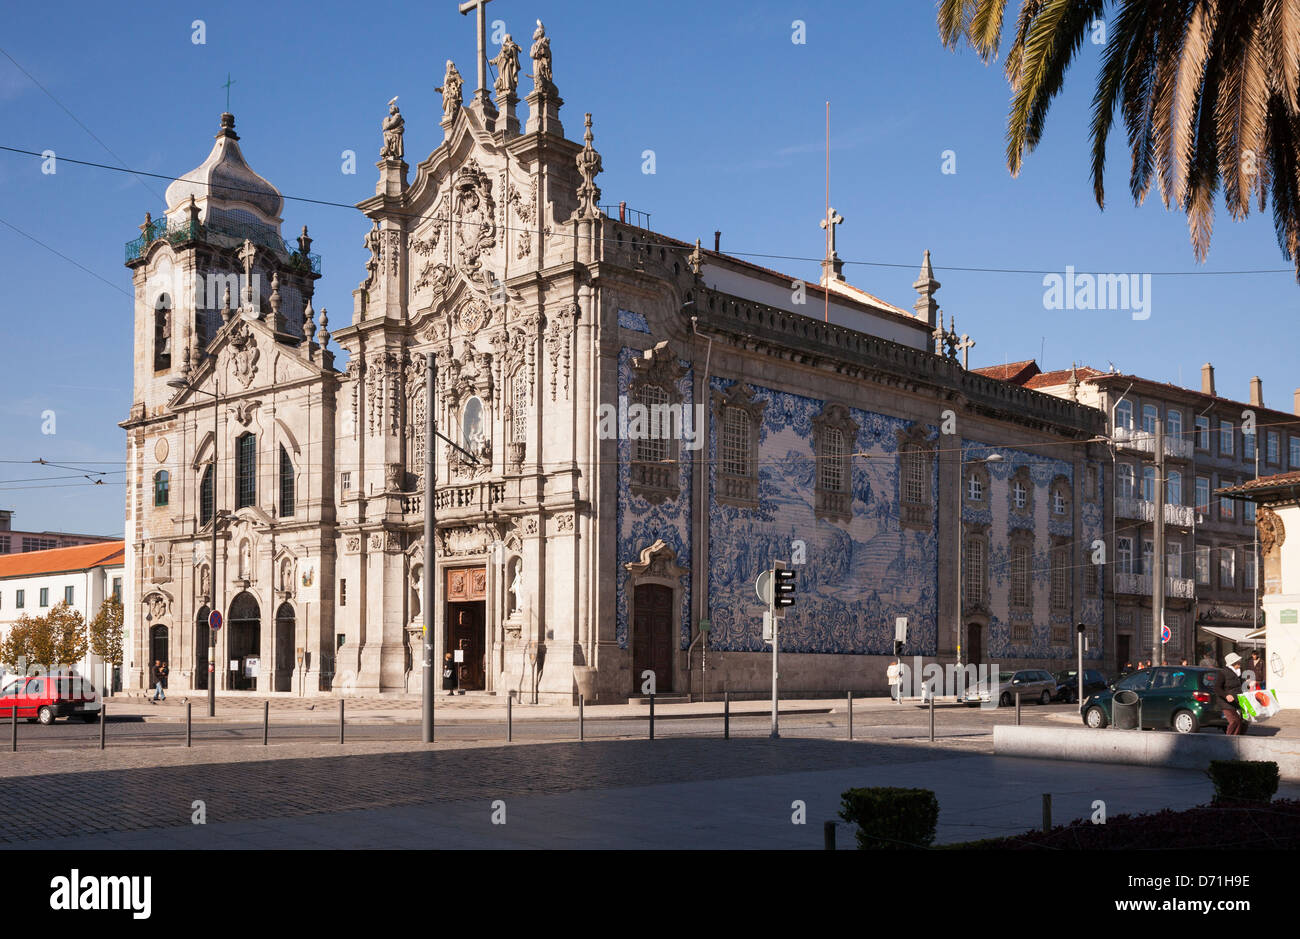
x: 189, y: 724
x: 850, y: 735
x: 341, y: 720
x: 1047, y: 811
x: 510, y: 729
x: 13, y: 712
x: 828, y: 835
x: 932, y: 715
x: 266, y: 721
x: 103, y: 710
x: 652, y: 715
x: 1017, y: 708
x: 726, y: 715
x: 582, y: 734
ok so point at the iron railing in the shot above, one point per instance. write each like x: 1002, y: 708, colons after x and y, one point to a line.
x: 217, y: 233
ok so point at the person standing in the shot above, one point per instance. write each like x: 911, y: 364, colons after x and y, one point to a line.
x: 448, y: 674
x: 1228, y: 687
x: 894, y: 680
x: 156, y: 676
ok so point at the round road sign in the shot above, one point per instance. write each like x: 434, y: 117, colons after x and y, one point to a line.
x: 1165, y: 634
x: 214, y: 619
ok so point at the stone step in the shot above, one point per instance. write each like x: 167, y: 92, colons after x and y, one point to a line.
x: 661, y: 699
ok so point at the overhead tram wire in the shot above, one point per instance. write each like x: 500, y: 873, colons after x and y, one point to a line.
x: 653, y: 244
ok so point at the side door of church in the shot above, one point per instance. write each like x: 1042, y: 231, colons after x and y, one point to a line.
x: 652, y: 636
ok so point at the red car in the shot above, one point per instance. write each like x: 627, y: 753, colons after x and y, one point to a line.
x: 45, y: 697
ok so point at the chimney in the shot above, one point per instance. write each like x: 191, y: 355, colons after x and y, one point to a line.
x: 1207, y: 379
x: 717, y: 242
x: 1256, y: 392
x: 1296, y: 406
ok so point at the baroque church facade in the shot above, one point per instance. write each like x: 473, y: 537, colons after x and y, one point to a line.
x: 578, y: 547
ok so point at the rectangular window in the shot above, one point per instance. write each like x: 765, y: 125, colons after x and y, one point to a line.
x: 117, y: 589
x: 974, y: 488
x: 1020, y: 494
x: 1248, y: 568
x: 975, y: 576
x: 286, y: 484
x: 1295, y: 452
x: 1124, y: 555
x: 20, y: 599
x: 1174, y: 425
x: 1225, y: 504
x: 246, y: 471
x: 343, y: 592
x: 67, y: 595
x: 831, y: 475
x: 653, y: 449
x: 1247, y: 444
x: 345, y: 482
x: 736, y: 438
x: 39, y: 544
x: 1020, y: 573
x: 1058, y: 502
x: 1061, y: 579
x: 1124, y: 475
x: 1227, y: 568
x: 45, y: 596
x: 1202, y: 493
x: 1148, y: 550
x: 1149, y: 414
x: 1202, y: 564
x: 1248, y: 513
x: 1148, y: 484
x: 1202, y: 433
x: 1225, y: 438
x: 1174, y: 560
x: 1174, y: 488
x: 1274, y: 447
x: 160, y: 484
x: 4, y: 544
x: 206, y: 497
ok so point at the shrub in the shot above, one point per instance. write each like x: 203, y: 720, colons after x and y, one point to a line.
x: 891, y: 818
x: 1243, y: 782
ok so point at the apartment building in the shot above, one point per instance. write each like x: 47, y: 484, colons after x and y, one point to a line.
x: 17, y: 542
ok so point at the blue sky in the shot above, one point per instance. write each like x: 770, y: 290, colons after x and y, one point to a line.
x: 733, y: 110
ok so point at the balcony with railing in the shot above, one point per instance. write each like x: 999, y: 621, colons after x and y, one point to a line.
x: 1144, y: 441
x: 1145, y: 510
x: 225, y: 233
x: 1176, y: 588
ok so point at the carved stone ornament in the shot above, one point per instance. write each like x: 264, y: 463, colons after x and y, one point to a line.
x: 658, y: 366
x: 155, y: 605
x: 469, y: 539
x: 476, y: 227
x: 564, y: 522
x: 658, y: 562
x: 559, y: 336
x: 1272, y: 533
x: 243, y: 411
x: 526, y: 212
x: 245, y: 353
x: 352, y: 544
x: 473, y: 315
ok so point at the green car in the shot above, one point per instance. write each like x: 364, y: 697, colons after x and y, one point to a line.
x: 1182, y: 698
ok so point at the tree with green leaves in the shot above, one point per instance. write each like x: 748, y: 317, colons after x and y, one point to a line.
x: 1209, y: 92
x: 57, y: 638
x: 105, y: 631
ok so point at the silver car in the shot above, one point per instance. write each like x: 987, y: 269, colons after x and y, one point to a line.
x: 1034, y: 684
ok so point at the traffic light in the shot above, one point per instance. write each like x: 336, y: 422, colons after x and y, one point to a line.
x: 783, y: 588
x: 898, y: 647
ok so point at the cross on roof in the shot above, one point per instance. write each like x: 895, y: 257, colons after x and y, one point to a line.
x: 964, y: 347
x: 832, y: 219
x: 481, y: 6
x: 229, y: 81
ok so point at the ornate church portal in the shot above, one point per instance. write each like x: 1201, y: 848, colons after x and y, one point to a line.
x: 466, y: 624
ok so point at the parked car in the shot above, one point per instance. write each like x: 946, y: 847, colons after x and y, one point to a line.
x: 1067, y: 684
x: 1181, y: 698
x: 46, y: 697
x: 1034, y: 684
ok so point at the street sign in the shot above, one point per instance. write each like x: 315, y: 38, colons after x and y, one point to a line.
x: 763, y: 587
x: 767, y: 626
x: 214, y: 619
x: 1165, y: 634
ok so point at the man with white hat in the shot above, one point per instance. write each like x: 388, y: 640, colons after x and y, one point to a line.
x: 1228, y: 687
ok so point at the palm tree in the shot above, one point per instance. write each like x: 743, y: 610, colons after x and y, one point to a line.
x: 1209, y: 91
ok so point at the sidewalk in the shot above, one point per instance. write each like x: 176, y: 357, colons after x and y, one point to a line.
x: 235, y: 708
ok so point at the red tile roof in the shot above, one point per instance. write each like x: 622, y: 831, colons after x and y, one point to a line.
x: 58, y: 560
x: 1014, y: 372
x: 1061, y: 376
x: 1289, y: 480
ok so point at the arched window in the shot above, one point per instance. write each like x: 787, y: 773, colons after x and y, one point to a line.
x: 1124, y: 480
x: 160, y: 483
x: 1174, y: 488
x: 1124, y: 415
x: 1149, y: 414
x: 736, y: 455
x: 974, y: 571
x: 162, y: 335
x: 245, y: 471
x: 830, y: 469
x: 1148, y: 484
x: 286, y: 484
x: 1022, y: 559
x: 206, y: 500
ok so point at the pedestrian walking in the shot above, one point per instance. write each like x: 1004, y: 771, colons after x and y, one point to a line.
x: 1256, y: 669
x: 1228, y: 686
x: 895, y: 679
x: 448, y: 674
x: 158, y: 677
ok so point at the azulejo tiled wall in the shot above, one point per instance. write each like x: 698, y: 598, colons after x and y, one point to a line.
x: 858, y: 576
x: 641, y: 523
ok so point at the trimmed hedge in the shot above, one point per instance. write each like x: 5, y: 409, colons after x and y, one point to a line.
x: 1275, y: 825
x: 1243, y: 782
x: 891, y: 818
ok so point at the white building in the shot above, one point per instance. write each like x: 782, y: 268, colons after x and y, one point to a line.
x: 34, y: 582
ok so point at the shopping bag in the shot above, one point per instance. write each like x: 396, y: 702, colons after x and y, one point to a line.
x: 1258, y: 705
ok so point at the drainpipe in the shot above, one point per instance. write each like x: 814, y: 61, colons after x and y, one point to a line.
x: 700, y: 573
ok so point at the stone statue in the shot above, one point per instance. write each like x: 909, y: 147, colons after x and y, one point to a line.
x: 507, y: 63
x: 451, y: 86
x: 205, y: 582
x: 517, y: 586
x: 393, y: 124
x: 541, y: 56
